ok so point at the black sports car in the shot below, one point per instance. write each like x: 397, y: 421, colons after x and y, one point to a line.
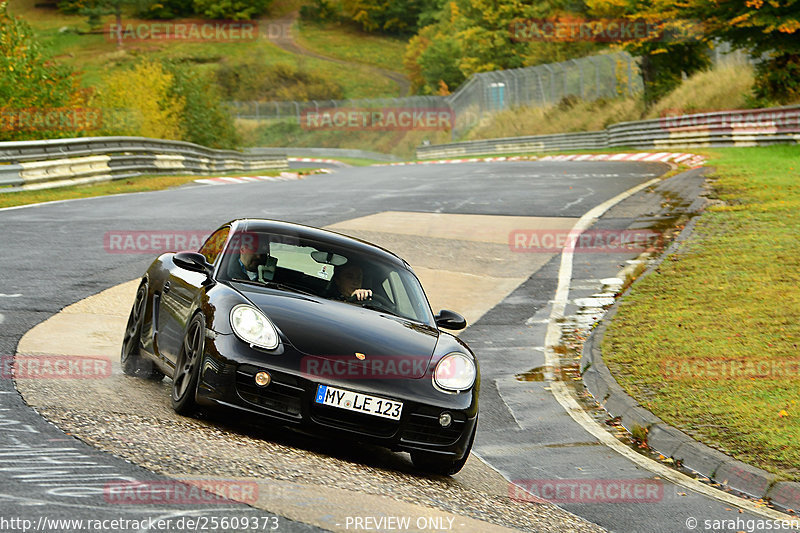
x: 313, y: 329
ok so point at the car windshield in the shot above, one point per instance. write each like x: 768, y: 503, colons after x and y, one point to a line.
x: 324, y: 270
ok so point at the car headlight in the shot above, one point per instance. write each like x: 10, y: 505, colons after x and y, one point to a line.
x: 455, y: 372
x: 253, y: 327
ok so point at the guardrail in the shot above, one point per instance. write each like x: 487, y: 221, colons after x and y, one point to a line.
x: 61, y: 162
x: 753, y: 127
x: 330, y: 153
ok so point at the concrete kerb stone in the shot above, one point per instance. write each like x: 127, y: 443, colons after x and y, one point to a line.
x: 735, y: 473
x: 702, y: 459
x: 665, y: 439
x: 785, y: 493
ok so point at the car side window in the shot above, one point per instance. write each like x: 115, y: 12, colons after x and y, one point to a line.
x: 401, y: 297
x: 213, y: 245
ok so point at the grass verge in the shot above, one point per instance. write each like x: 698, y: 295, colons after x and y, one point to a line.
x: 350, y: 44
x: 709, y: 341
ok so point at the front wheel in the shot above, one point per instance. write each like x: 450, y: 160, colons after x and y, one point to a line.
x: 131, y: 359
x: 433, y: 463
x: 187, y: 370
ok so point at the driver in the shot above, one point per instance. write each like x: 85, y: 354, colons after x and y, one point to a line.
x: 347, y: 280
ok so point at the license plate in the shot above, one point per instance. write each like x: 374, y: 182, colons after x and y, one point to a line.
x: 358, y: 402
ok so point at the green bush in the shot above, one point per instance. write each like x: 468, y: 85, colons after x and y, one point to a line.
x: 259, y: 82
x: 165, y: 9
x: 778, y: 79
x: 231, y: 9
x: 205, y: 120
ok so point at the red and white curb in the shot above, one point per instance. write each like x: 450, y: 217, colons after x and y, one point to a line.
x: 678, y: 158
x: 315, y: 160
x: 284, y: 176
x: 690, y: 160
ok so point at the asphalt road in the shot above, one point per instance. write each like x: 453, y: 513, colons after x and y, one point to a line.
x: 54, y: 255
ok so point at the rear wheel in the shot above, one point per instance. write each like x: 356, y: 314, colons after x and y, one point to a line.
x: 131, y: 359
x: 187, y: 371
x: 433, y: 463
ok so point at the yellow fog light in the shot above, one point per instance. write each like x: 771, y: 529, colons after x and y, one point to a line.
x: 263, y: 379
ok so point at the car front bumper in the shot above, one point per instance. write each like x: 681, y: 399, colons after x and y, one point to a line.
x: 229, y: 382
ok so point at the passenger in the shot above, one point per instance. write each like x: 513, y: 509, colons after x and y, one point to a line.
x: 253, y: 253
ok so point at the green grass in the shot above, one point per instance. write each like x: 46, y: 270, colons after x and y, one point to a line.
x: 94, y: 56
x: 349, y: 44
x: 288, y: 133
x: 731, y: 293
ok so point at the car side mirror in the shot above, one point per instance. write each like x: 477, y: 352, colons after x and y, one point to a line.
x: 450, y: 320
x: 192, y: 261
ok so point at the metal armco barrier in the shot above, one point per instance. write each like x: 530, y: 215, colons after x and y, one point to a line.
x: 61, y: 162
x: 752, y: 127
x: 331, y: 153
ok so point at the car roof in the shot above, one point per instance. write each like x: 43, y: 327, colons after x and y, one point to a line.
x: 302, y: 231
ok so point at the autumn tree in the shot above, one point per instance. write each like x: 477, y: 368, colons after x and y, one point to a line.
x: 386, y: 16
x: 764, y: 28
x: 671, y: 48
x: 141, y: 101
x: 472, y: 36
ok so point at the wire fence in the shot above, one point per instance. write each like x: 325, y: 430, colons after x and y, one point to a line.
x: 587, y: 78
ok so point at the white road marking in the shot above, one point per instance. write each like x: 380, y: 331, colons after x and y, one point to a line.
x: 571, y: 406
x: 4, y: 295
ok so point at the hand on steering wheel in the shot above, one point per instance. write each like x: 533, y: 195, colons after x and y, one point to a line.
x: 361, y: 294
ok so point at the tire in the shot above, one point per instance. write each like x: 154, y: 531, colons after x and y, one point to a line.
x: 433, y: 463
x: 131, y: 360
x: 187, y: 370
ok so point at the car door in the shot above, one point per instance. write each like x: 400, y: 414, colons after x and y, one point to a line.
x: 181, y: 296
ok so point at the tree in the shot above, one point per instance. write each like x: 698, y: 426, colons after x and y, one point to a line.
x: 761, y: 27
x: 470, y: 36
x: 31, y: 84
x: 204, y: 119
x: 95, y: 10
x: 670, y: 49
x: 142, y: 101
x: 387, y: 16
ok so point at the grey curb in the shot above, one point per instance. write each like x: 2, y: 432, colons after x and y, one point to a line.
x: 666, y: 439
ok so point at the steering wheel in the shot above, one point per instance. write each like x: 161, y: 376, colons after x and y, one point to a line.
x: 379, y: 300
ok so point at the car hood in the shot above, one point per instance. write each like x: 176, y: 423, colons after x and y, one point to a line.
x: 337, y: 331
